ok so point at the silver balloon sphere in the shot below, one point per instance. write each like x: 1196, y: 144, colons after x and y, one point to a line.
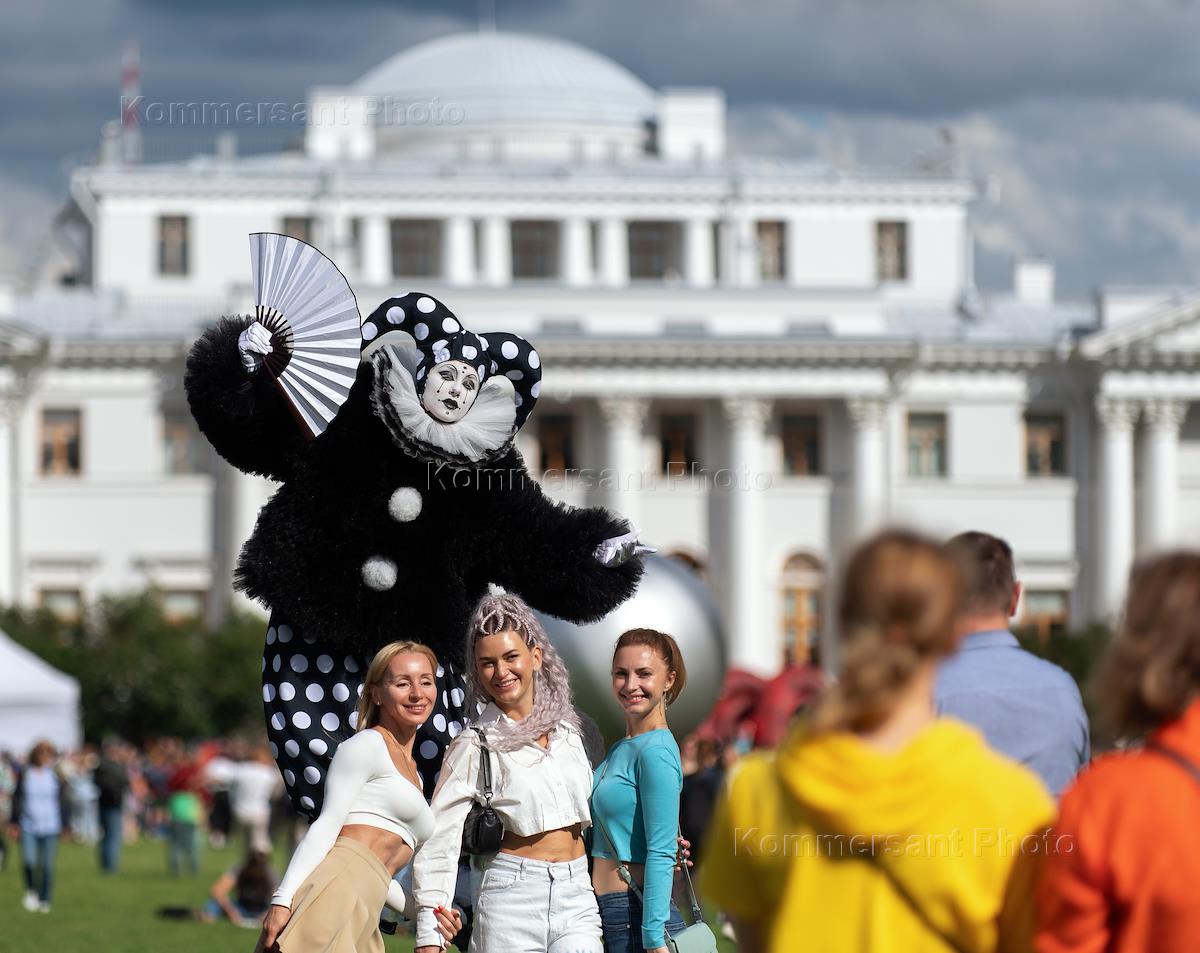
x: 670, y: 599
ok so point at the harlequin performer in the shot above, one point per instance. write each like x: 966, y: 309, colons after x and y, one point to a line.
x: 393, y: 521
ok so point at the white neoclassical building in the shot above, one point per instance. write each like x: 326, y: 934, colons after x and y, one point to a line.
x: 755, y: 360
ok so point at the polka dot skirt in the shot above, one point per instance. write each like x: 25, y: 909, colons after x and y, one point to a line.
x: 310, y: 694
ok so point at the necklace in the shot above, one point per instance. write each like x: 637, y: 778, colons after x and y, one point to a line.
x: 411, y: 775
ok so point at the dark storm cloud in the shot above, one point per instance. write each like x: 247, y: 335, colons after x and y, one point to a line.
x: 1082, y: 110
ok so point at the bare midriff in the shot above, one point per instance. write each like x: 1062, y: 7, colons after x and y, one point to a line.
x: 393, y: 852
x: 605, y: 878
x: 557, y: 846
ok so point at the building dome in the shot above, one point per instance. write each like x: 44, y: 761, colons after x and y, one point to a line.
x: 497, y: 79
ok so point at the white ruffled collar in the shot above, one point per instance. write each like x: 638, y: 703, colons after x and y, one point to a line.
x: 487, y: 428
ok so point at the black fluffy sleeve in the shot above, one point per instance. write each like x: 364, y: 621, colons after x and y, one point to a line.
x: 243, y: 415
x: 544, y: 552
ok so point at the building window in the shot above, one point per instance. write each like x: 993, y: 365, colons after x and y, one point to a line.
x: 800, y: 435
x: 61, y: 438
x: 1045, y: 613
x: 653, y: 250
x: 534, y: 249
x: 556, y: 444
x: 803, y: 581
x: 771, y: 251
x: 180, y: 447
x: 416, y: 248
x: 172, y: 245
x: 677, y: 439
x: 299, y: 226
x: 693, y: 563
x: 1045, y: 445
x: 594, y: 239
x: 66, y: 605
x: 926, y: 445
x: 182, y: 605
x: 891, y: 251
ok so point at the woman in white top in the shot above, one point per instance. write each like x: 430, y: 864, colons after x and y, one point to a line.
x: 536, y: 893
x: 373, y: 818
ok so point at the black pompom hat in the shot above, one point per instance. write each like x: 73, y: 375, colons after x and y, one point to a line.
x: 440, y: 336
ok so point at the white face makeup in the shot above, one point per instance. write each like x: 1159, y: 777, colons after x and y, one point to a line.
x: 450, y: 389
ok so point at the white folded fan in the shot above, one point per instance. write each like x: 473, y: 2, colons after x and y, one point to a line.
x: 306, y: 303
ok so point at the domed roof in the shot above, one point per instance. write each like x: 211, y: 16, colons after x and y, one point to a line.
x: 487, y: 78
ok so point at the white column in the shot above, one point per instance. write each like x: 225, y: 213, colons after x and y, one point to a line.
x: 754, y: 637
x: 576, y: 252
x: 792, y: 262
x: 497, y: 251
x: 746, y: 264
x: 458, y: 250
x: 868, y: 502
x: 698, y: 253
x: 622, y: 474
x: 614, y: 252
x: 1160, y: 475
x: 1115, y: 511
x: 376, y: 251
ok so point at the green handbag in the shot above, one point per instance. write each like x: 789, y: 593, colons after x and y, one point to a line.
x: 697, y: 938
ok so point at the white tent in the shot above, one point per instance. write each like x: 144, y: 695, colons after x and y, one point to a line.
x: 36, y: 702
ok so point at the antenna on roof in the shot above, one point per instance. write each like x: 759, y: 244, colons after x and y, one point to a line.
x: 487, y: 16
x: 131, y: 96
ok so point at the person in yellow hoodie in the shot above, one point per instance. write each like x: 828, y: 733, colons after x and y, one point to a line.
x: 878, y: 827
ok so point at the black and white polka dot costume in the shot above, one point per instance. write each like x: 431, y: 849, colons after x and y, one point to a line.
x: 310, y: 697
x: 379, y: 533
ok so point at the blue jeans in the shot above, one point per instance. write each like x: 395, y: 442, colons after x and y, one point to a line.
x: 621, y: 920
x: 37, y: 856
x: 110, y: 838
x: 183, y: 847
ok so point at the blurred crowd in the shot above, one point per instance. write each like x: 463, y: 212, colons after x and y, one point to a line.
x: 183, y: 795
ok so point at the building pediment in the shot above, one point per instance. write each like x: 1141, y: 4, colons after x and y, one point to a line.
x: 1165, y: 333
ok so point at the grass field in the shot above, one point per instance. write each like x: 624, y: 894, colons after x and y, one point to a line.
x: 116, y: 913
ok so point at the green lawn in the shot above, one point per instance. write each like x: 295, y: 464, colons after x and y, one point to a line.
x: 116, y: 913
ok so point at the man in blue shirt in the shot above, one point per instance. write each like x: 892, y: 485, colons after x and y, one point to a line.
x: 1026, y: 707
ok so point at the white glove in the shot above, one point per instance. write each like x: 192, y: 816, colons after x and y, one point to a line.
x: 253, y: 345
x: 620, y: 549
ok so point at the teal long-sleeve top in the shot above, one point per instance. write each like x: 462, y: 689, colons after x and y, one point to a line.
x: 635, y: 795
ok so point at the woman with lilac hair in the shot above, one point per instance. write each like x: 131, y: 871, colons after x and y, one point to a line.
x: 536, y: 893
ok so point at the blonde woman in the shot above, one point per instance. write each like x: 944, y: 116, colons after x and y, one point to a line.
x: 374, y: 817
x: 535, y: 893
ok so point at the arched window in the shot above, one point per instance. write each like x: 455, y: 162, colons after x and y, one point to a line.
x: 694, y: 563
x: 803, y: 586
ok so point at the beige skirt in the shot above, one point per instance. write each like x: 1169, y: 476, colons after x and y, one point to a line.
x: 336, y: 910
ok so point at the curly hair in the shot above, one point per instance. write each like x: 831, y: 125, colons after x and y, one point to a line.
x: 552, y: 704
x: 1152, y: 670
x: 901, y: 596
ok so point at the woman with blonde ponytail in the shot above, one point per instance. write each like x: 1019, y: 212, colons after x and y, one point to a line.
x: 877, y: 825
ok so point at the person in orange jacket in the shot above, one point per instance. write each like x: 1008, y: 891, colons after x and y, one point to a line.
x: 1124, y: 879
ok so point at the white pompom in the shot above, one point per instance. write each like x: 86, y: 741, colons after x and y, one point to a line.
x: 405, y: 504
x: 379, y: 573
x: 494, y: 590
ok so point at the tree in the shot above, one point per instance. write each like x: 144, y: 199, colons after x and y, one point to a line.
x: 142, y: 674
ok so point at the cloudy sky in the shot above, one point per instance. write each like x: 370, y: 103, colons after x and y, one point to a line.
x: 1085, y: 113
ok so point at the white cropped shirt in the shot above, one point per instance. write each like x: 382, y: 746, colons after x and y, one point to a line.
x: 362, y: 786
x: 534, y: 789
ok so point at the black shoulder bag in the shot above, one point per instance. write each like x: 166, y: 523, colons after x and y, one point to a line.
x: 483, y: 830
